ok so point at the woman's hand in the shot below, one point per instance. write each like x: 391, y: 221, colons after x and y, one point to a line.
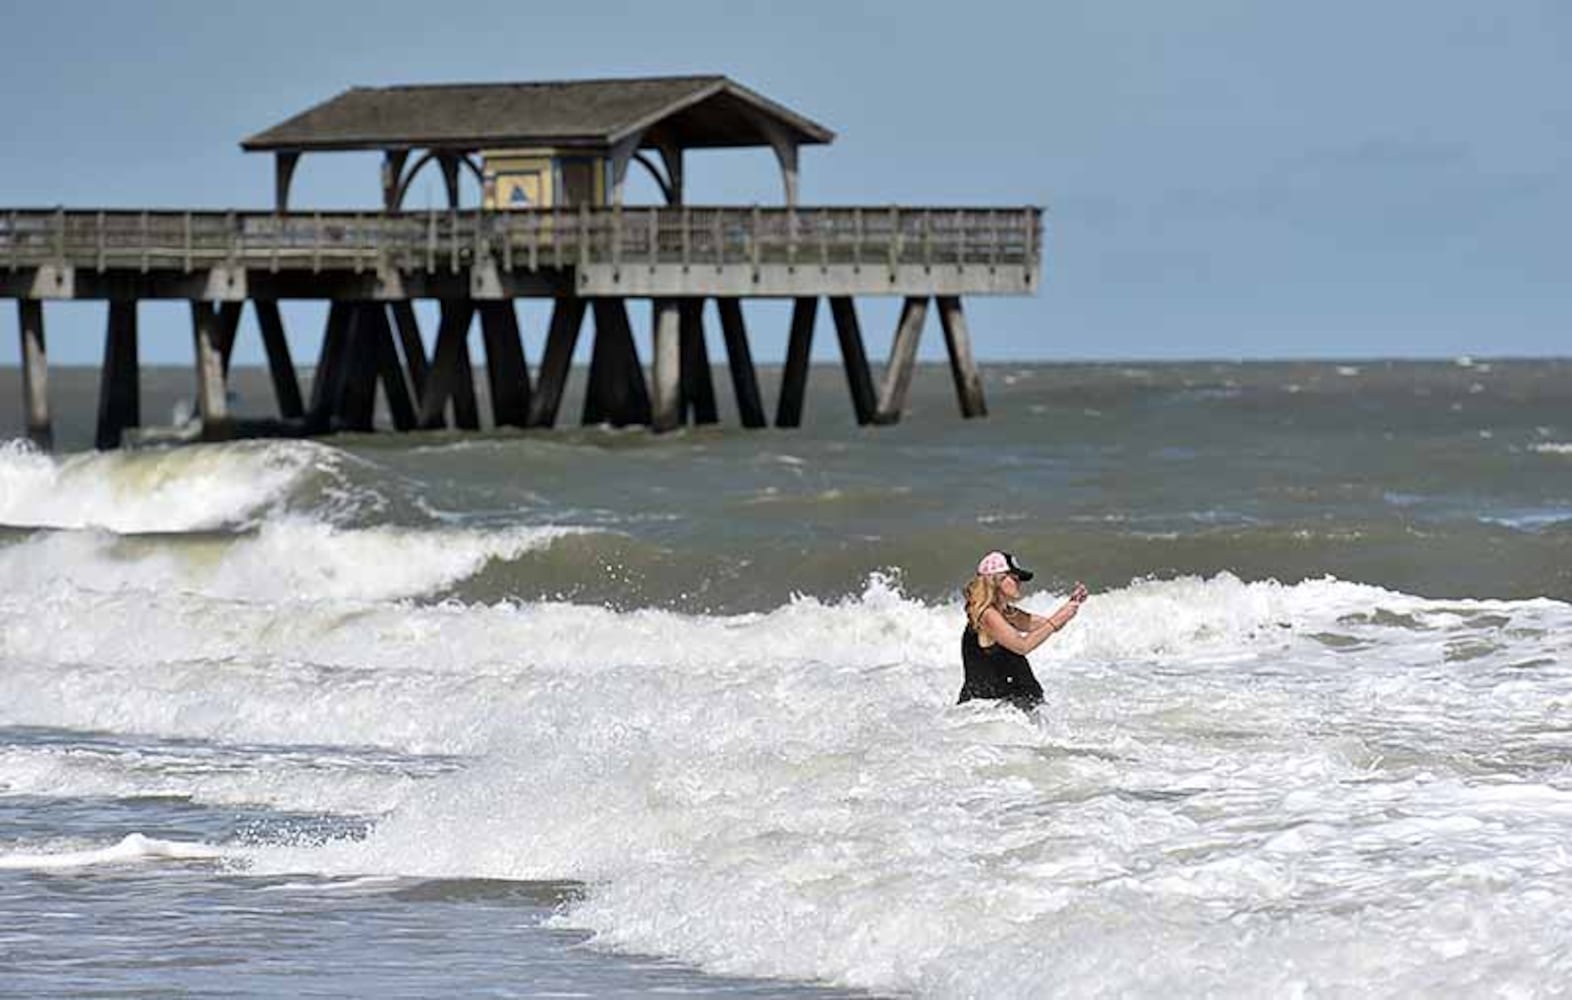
x: 1078, y: 594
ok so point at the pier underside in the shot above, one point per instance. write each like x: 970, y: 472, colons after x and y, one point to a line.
x: 371, y: 270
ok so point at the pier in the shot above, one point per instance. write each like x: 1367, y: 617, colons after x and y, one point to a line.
x: 551, y: 161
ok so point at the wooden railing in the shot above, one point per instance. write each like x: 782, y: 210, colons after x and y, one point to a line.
x: 693, y: 236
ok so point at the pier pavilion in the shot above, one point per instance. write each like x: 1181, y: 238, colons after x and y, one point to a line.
x: 551, y: 161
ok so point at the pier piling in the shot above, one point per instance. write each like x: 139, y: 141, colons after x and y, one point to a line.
x: 35, y: 373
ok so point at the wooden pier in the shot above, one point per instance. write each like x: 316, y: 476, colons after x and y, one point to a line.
x: 590, y: 258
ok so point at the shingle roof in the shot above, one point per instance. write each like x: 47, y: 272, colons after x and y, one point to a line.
x: 694, y: 111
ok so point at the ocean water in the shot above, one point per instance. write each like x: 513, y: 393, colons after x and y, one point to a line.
x: 596, y: 713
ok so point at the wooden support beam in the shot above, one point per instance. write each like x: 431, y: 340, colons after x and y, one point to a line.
x: 414, y: 349
x: 35, y: 373
x: 903, y: 359
x: 283, y: 173
x: 744, y: 380
x: 567, y: 318
x: 211, y: 376
x: 357, y: 404
x: 228, y: 329
x: 853, y: 358
x: 698, y: 386
x: 666, y: 366
x: 327, y: 380
x: 794, y: 378
x: 286, y: 386
x: 450, y: 376
x: 378, y: 332
x: 449, y: 163
x: 963, y: 367
x: 617, y: 393
x: 507, y: 372
x: 119, y: 393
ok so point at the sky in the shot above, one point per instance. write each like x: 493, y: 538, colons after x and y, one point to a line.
x: 1223, y: 179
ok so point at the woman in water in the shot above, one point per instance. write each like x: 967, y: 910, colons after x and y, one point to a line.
x: 998, y: 634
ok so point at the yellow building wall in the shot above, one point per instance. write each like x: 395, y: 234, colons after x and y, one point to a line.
x: 525, y: 179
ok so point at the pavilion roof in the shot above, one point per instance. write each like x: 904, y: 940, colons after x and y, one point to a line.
x: 693, y: 112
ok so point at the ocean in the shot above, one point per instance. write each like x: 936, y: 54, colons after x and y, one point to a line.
x: 597, y: 713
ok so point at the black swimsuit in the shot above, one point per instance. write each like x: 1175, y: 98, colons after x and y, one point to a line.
x: 995, y: 672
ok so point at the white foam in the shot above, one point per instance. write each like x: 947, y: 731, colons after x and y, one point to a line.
x: 181, y: 489
x: 288, y: 559
x: 1247, y: 788
x: 1552, y: 448
x: 131, y: 849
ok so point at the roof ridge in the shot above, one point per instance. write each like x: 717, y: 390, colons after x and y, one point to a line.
x: 708, y: 77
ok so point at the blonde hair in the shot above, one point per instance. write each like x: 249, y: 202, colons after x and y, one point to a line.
x: 981, y: 594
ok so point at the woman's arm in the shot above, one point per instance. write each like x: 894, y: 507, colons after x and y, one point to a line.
x: 1020, y: 641
x: 1026, y: 622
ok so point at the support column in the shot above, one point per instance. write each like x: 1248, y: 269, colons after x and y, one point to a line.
x: 744, y: 381
x: 506, y: 370
x: 119, y: 394
x: 794, y: 378
x: 35, y: 374
x: 413, y: 348
x: 667, y: 365
x: 903, y: 359
x: 390, y: 373
x: 450, y: 375
x: 327, y: 380
x: 698, y: 387
x: 228, y: 329
x: 392, y: 173
x: 963, y: 367
x: 617, y: 393
x: 854, y: 358
x: 286, y: 386
x: 567, y: 318
x: 212, y: 397
x: 358, y: 402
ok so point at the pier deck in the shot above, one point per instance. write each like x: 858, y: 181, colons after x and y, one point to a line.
x: 638, y: 252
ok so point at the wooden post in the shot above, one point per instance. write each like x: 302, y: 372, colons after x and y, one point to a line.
x: 119, y: 395
x: 286, y: 386
x: 450, y: 370
x: 377, y: 334
x: 35, y: 373
x: 358, y: 402
x: 698, y: 387
x: 567, y: 317
x: 506, y: 370
x: 794, y: 379
x: 667, y: 365
x: 744, y: 381
x: 854, y: 358
x: 212, y: 399
x: 963, y: 367
x: 903, y: 359
x: 228, y: 329
x: 327, y: 380
x: 409, y: 338
x: 617, y: 393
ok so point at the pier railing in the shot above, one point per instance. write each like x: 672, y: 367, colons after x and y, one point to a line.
x: 691, y: 236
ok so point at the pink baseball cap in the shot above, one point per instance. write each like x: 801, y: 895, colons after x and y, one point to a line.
x: 1002, y: 562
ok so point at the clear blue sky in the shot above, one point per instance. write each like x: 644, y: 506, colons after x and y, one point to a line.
x: 1225, y: 178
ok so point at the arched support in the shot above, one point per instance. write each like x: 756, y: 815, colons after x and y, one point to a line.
x: 621, y: 155
x: 392, y: 170
x: 450, y: 163
x: 665, y: 185
x: 785, y: 147
x: 283, y: 176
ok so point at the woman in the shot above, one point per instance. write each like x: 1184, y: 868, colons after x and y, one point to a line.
x: 998, y: 634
